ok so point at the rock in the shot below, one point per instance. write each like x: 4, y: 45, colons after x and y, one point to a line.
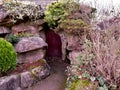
x: 1, y: 2
x: 36, y: 74
x: 41, y: 72
x: 27, y: 80
x: 24, y: 28
x: 73, y: 42
x: 31, y: 56
x: 73, y: 57
x: 42, y: 35
x: 10, y: 82
x: 30, y: 49
x: 29, y: 44
x: 23, y: 80
x: 37, y: 22
x: 3, y: 13
x: 4, y: 30
x: 64, y: 44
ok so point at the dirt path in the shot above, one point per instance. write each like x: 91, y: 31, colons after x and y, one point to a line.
x: 56, y: 80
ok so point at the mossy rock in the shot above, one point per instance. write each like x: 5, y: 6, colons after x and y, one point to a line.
x: 83, y: 85
x: 20, y: 10
x: 72, y: 26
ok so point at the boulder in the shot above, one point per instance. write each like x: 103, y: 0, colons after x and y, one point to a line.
x: 4, y: 30
x: 30, y: 78
x: 64, y: 44
x: 30, y: 49
x: 42, y: 35
x: 74, y: 42
x: 30, y: 44
x: 25, y: 79
x: 31, y: 56
x: 24, y: 28
x: 73, y: 57
x: 10, y: 83
x: 3, y: 13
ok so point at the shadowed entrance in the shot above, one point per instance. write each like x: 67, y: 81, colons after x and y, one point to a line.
x: 54, y: 44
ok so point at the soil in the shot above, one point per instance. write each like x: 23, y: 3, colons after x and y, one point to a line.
x: 24, y: 67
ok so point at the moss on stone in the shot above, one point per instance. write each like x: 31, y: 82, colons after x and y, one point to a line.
x: 83, y: 85
x: 72, y: 26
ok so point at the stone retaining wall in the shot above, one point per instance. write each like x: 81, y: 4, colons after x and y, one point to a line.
x: 24, y: 80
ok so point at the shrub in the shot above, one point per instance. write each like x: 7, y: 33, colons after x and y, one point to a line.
x: 106, y: 48
x: 58, y: 11
x: 55, y: 13
x: 7, y: 56
x: 13, y: 39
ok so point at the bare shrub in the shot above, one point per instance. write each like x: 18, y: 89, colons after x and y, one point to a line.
x: 107, y: 57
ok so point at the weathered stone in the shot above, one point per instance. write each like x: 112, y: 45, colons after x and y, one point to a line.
x: 22, y: 80
x: 42, y: 35
x: 30, y: 49
x: 41, y: 72
x: 30, y: 78
x: 10, y: 82
x: 29, y: 44
x: 73, y: 42
x: 27, y: 80
x: 3, y: 13
x: 1, y: 2
x: 37, y: 22
x: 24, y: 28
x: 31, y: 56
x: 73, y: 57
x: 64, y: 44
x: 4, y: 30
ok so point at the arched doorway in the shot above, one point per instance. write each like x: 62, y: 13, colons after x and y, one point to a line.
x: 54, y: 44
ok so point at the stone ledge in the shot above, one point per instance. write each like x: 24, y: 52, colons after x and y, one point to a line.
x: 25, y: 79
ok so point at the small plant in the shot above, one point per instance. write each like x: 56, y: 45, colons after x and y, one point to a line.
x: 7, y: 56
x: 13, y: 39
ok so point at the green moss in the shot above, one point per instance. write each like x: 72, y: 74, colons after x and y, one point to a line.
x: 75, y: 22
x: 42, y: 61
x: 79, y: 85
x: 73, y: 26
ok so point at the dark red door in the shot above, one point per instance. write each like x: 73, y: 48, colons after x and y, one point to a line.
x: 54, y: 44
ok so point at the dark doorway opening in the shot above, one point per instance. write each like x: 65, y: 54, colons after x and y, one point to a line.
x: 54, y: 44
x: 3, y: 35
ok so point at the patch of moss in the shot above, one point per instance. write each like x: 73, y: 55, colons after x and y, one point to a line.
x: 79, y: 85
x: 73, y: 26
x: 42, y: 61
x: 84, y: 85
